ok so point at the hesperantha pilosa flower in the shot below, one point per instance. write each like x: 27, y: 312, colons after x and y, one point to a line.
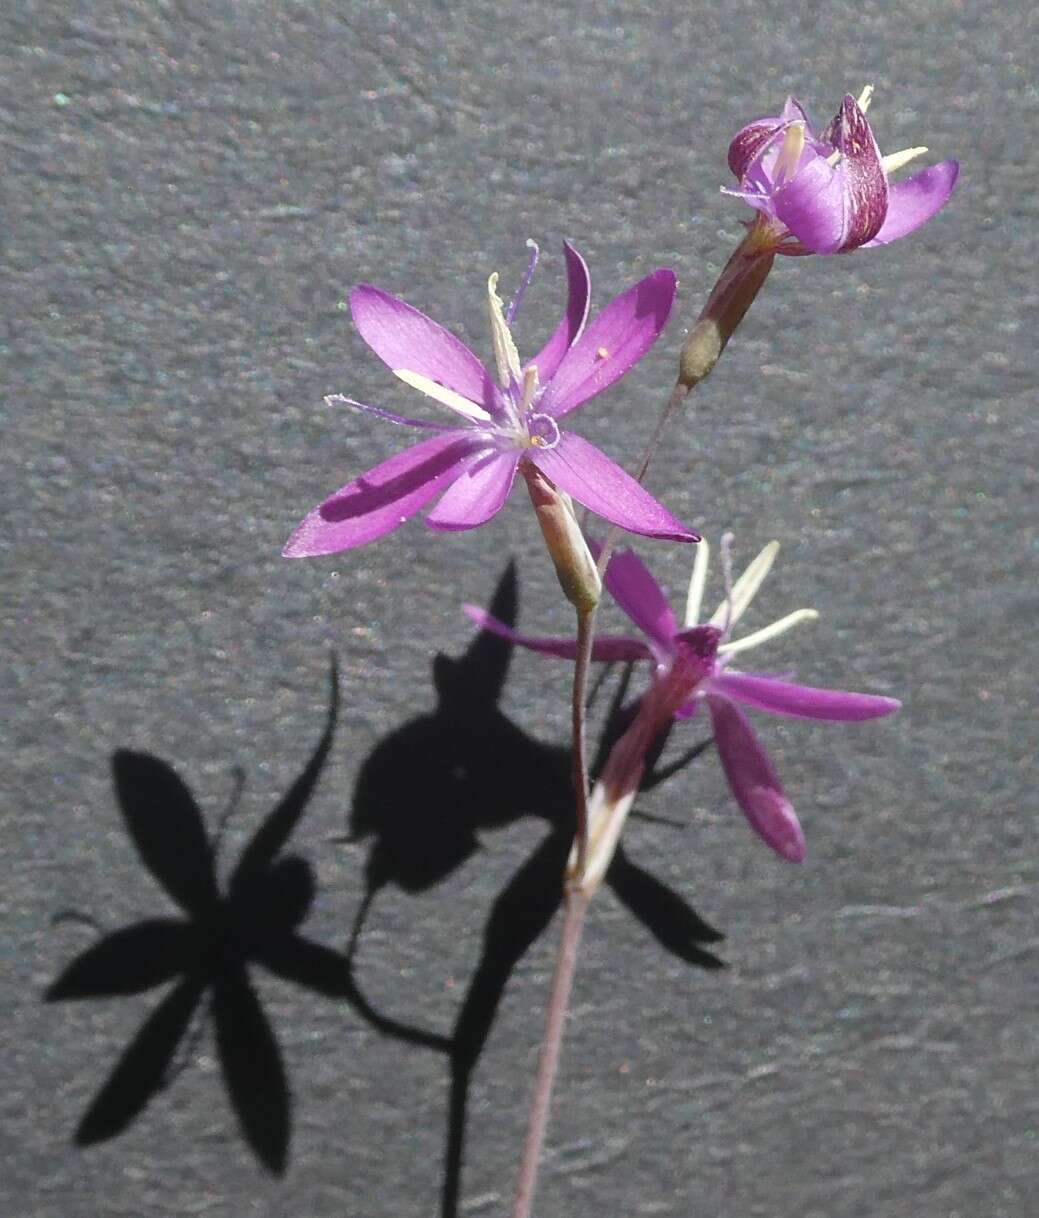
x: 831, y: 193
x: 692, y: 665
x: 501, y: 420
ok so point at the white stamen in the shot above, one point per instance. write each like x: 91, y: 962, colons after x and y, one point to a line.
x: 865, y: 97
x: 895, y: 160
x: 769, y: 632
x: 439, y: 393
x: 790, y: 154
x: 694, y: 601
x: 530, y: 387
x: 745, y: 589
x: 505, y: 354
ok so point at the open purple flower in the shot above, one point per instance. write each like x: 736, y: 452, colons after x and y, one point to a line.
x: 692, y: 665
x: 831, y: 193
x: 500, y: 421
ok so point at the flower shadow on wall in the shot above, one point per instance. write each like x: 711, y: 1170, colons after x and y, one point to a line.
x: 207, y: 952
x: 427, y: 792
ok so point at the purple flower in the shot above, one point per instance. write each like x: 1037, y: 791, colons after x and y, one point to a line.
x: 830, y: 193
x: 692, y: 665
x: 499, y: 421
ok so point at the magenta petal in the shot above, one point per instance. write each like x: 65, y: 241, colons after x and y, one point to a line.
x: 592, y: 478
x: 640, y: 596
x: 615, y: 341
x: 608, y: 648
x: 813, y: 206
x: 569, y: 329
x: 477, y: 493
x: 754, y: 782
x: 914, y: 201
x: 750, y: 141
x: 802, y: 701
x: 865, y: 182
x: 382, y: 499
x: 403, y: 337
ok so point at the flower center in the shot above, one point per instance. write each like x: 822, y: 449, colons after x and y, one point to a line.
x: 543, y: 430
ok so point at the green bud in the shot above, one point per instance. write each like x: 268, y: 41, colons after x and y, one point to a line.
x: 576, y: 568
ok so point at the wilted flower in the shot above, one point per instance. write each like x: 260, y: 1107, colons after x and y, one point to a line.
x: 831, y: 193
x: 501, y: 420
x: 692, y: 664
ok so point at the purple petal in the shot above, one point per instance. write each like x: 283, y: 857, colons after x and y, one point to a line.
x: 642, y: 599
x: 794, y: 112
x: 608, y: 648
x: 830, y: 208
x: 802, y: 701
x: 754, y: 782
x: 914, y: 201
x: 382, y: 499
x: 403, y: 337
x: 750, y: 141
x: 592, y: 478
x: 866, y: 187
x: 517, y: 300
x: 569, y: 329
x: 477, y: 493
x: 812, y: 205
x: 618, y: 338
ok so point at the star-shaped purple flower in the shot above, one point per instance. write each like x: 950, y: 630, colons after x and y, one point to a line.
x: 501, y: 420
x: 691, y: 666
x: 831, y: 193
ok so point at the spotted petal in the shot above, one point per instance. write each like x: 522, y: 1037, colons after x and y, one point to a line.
x: 615, y: 341
x: 838, y: 207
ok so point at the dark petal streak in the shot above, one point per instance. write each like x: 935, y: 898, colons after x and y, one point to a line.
x: 865, y: 183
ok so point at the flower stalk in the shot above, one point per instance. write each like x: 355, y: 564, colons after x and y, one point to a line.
x: 575, y: 908
x: 742, y: 278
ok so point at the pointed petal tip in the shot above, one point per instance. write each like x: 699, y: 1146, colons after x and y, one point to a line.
x: 773, y: 818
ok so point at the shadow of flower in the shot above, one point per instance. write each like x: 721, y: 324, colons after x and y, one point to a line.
x: 207, y: 952
x: 430, y: 788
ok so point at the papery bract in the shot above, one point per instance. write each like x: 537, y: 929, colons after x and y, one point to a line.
x: 831, y: 193
x: 691, y: 665
x: 500, y: 420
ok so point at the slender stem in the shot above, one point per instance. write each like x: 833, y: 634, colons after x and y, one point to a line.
x: 582, y: 665
x: 678, y: 396
x: 576, y: 905
x: 740, y: 281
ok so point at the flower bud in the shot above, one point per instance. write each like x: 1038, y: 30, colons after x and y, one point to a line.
x: 576, y: 568
x: 733, y: 294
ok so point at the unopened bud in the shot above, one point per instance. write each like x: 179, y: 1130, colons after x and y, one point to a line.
x: 576, y: 568
x: 733, y: 294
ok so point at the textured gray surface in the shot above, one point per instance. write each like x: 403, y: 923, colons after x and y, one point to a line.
x: 190, y: 190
